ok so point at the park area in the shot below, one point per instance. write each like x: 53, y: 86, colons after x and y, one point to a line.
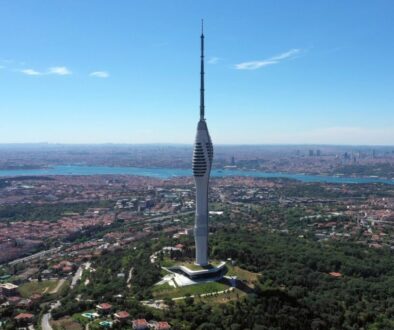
x: 42, y: 287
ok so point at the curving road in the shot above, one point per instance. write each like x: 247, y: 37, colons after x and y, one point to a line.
x: 45, y: 322
x: 45, y: 325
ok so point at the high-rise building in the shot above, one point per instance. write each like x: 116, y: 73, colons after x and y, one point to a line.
x: 202, y: 163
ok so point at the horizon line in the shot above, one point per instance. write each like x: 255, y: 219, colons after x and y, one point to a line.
x: 189, y: 144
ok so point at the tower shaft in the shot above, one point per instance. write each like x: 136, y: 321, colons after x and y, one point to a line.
x: 202, y: 163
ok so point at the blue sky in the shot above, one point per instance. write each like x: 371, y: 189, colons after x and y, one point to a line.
x: 128, y: 71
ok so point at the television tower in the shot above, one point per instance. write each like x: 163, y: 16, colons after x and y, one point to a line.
x: 202, y: 163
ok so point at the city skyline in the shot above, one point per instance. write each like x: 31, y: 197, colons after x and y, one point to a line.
x: 281, y: 72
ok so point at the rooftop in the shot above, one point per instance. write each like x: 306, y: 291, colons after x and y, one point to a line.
x: 122, y: 315
x: 23, y: 316
x: 104, y: 306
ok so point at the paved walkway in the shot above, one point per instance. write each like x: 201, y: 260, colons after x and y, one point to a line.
x: 159, y: 304
x: 59, y: 284
x: 45, y: 325
x: 205, y: 294
x: 45, y: 322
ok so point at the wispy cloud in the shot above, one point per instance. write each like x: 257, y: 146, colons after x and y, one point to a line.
x: 31, y: 72
x: 253, y: 65
x: 99, y: 74
x: 59, y: 70
x: 285, y: 55
x: 56, y: 70
x: 213, y: 60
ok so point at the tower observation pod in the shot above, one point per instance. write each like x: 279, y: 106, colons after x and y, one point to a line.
x: 202, y: 163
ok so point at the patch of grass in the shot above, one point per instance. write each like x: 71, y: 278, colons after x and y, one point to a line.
x: 158, y: 289
x: 167, y: 262
x: 189, y: 264
x: 62, y: 290
x: 80, y: 319
x: 27, y: 289
x: 242, y: 274
x: 165, y: 290
x: 66, y: 323
x: 193, y: 266
x: 224, y: 298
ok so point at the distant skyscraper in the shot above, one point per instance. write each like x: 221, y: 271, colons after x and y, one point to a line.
x: 202, y: 163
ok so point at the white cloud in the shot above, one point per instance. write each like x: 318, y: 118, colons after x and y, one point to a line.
x: 100, y: 74
x: 31, y: 72
x: 59, y: 70
x: 285, y: 55
x: 253, y: 65
x: 213, y: 60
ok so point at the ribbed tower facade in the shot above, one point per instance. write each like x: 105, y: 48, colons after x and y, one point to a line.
x: 202, y: 163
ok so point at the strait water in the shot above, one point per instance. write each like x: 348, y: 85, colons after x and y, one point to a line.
x: 165, y: 173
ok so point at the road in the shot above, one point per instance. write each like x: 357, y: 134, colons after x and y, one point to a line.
x: 130, y: 277
x: 34, y: 256
x: 78, y: 274
x: 45, y: 325
x: 45, y: 322
x: 164, y: 217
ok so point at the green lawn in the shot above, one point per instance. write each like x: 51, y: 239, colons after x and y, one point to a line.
x: 164, y: 272
x: 66, y: 323
x: 193, y: 266
x: 242, y: 274
x: 233, y: 295
x: 165, y: 290
x: 27, y: 289
x: 167, y: 262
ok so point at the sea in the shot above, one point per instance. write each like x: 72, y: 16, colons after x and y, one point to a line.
x: 165, y: 173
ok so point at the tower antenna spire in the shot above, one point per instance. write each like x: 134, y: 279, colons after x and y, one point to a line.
x: 202, y: 105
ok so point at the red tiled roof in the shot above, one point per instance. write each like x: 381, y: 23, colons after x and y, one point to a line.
x: 122, y: 314
x: 105, y: 306
x: 67, y: 269
x: 162, y: 326
x: 335, y: 274
x: 140, y: 322
x: 22, y: 316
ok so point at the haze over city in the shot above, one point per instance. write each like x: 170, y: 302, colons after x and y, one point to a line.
x: 279, y: 72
